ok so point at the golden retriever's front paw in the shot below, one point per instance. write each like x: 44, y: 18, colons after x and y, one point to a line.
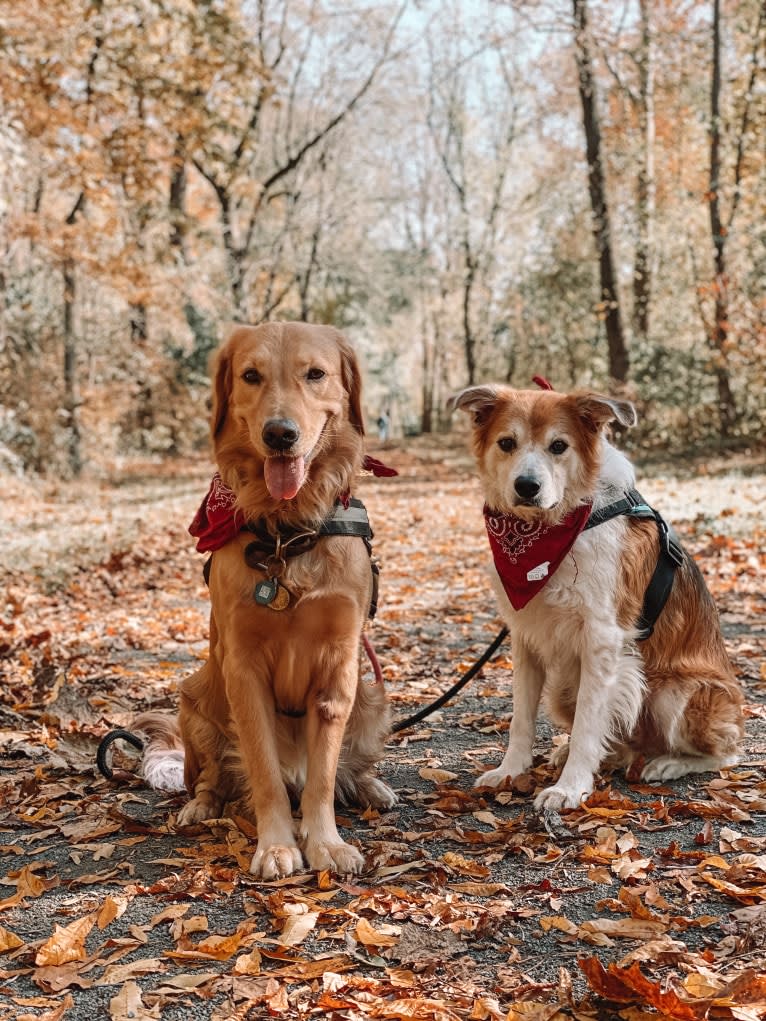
x: 275, y: 861
x: 341, y: 858
x: 197, y: 810
x: 554, y: 798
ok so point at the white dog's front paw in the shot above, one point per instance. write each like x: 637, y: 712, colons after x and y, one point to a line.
x: 552, y: 799
x: 507, y: 770
x: 274, y: 861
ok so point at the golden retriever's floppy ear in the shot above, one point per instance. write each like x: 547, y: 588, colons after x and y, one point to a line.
x: 352, y: 383
x: 476, y: 400
x: 222, y: 380
x: 597, y: 411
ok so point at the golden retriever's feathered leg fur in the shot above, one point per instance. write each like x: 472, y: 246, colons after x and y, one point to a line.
x: 279, y: 706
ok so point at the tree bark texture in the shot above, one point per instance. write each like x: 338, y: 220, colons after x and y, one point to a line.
x: 619, y: 363
x: 642, y: 269
x: 727, y: 408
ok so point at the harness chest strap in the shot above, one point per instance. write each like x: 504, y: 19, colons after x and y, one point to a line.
x: 350, y: 520
x: 669, y: 559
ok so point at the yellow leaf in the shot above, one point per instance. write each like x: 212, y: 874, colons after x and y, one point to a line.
x: 465, y: 866
x: 548, y: 922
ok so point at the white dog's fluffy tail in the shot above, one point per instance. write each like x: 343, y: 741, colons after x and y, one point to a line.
x: 162, y: 765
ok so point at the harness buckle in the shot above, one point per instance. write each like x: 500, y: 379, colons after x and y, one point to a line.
x: 670, y: 547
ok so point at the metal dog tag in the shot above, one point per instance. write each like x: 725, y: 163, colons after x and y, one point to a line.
x: 270, y: 593
x: 265, y: 591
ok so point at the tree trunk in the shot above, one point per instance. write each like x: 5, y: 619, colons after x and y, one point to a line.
x: 619, y: 363
x: 727, y: 408
x: 71, y: 390
x: 642, y: 269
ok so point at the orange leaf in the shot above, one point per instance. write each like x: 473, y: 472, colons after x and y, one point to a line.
x: 66, y: 944
x: 372, y: 937
x: 629, y: 985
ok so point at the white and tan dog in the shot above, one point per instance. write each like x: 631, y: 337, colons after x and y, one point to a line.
x: 672, y: 699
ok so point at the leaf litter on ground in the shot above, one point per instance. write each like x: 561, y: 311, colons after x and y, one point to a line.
x: 648, y: 901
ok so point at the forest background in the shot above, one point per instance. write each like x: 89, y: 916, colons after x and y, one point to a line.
x: 470, y: 189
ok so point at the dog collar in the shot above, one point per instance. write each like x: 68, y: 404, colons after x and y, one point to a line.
x: 218, y: 520
x: 528, y: 553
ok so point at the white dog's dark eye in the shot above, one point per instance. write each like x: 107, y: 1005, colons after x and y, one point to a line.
x: 251, y: 376
x: 315, y: 374
x: 507, y: 443
x: 558, y: 446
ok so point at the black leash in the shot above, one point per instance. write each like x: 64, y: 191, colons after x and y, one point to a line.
x: 488, y: 653
x: 114, y: 735
x: 125, y: 735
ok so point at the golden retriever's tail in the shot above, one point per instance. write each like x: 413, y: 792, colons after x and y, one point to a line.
x: 162, y: 765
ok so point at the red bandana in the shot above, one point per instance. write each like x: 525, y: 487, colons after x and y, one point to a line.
x: 528, y: 553
x: 217, y: 521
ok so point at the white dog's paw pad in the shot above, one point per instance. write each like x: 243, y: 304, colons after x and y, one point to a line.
x: 493, y: 778
x: 552, y: 799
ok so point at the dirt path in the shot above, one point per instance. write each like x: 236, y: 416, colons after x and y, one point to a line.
x: 469, y: 908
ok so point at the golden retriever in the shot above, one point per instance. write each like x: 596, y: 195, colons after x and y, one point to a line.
x: 279, y: 705
x: 572, y: 595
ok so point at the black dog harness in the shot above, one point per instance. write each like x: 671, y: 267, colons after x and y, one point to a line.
x: 669, y: 559
x: 268, y: 552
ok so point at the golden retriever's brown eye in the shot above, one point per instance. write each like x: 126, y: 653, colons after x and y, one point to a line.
x: 558, y: 446
x: 315, y: 373
x: 507, y: 443
x: 251, y: 376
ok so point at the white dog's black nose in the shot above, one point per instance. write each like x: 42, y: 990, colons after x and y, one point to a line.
x: 526, y: 486
x: 280, y: 433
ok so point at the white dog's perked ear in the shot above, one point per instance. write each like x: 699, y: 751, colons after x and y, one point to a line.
x: 598, y: 411
x: 476, y: 400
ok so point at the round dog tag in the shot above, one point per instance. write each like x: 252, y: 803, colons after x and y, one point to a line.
x: 281, y: 600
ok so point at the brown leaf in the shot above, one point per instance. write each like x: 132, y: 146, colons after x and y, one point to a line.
x: 9, y: 940
x: 297, y: 928
x: 128, y: 1005
x: 629, y: 985
x: 66, y: 944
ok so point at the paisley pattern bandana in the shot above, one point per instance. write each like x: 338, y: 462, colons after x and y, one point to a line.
x: 218, y: 521
x: 528, y: 553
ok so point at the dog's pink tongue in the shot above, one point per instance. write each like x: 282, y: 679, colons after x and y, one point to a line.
x: 284, y: 476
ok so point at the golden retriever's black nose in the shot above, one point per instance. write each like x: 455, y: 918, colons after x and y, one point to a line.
x: 526, y: 486
x: 280, y: 433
